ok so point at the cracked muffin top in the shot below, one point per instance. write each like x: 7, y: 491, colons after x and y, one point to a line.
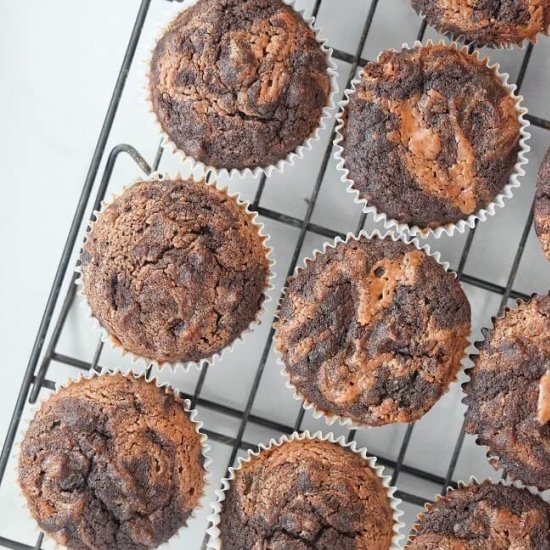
x: 430, y: 135
x: 303, y: 495
x: 373, y: 330
x: 239, y: 83
x: 174, y: 270
x: 111, y: 462
x: 542, y: 205
x: 487, y: 22
x: 484, y: 517
x: 508, y: 395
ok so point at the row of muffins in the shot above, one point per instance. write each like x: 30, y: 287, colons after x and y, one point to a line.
x: 371, y: 331
x: 175, y: 271
x: 439, y: 124
x: 116, y: 461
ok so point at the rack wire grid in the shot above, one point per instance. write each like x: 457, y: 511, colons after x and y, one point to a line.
x: 242, y: 400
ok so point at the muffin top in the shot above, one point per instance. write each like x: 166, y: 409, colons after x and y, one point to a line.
x: 542, y: 205
x: 239, y: 83
x: 373, y: 330
x: 306, y: 494
x: 111, y: 462
x: 487, y: 22
x: 508, y: 395
x: 485, y: 517
x: 174, y: 270
x: 430, y: 135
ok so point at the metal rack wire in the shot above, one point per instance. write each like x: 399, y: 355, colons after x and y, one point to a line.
x: 45, y: 346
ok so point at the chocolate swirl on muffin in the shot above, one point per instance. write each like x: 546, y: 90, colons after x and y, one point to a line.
x: 484, y: 517
x: 430, y: 135
x: 111, y: 462
x: 239, y: 83
x: 487, y: 22
x: 508, y: 395
x: 542, y: 205
x: 174, y: 270
x: 306, y: 494
x: 373, y: 330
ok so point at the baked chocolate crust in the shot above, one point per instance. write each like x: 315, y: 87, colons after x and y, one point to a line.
x: 487, y: 22
x: 111, y: 462
x: 239, y: 83
x: 542, y: 205
x: 303, y: 495
x: 508, y: 395
x: 485, y: 517
x: 174, y: 270
x: 430, y: 135
x: 373, y: 330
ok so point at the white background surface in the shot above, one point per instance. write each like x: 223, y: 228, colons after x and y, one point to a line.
x: 58, y: 64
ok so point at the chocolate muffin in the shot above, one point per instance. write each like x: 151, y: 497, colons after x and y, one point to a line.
x: 429, y: 136
x: 306, y: 494
x: 542, y: 205
x: 508, y: 395
x: 484, y: 517
x: 487, y: 22
x: 111, y: 462
x: 239, y: 83
x: 174, y: 270
x: 373, y: 331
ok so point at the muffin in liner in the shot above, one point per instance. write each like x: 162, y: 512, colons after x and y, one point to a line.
x: 461, y: 38
x: 266, y: 296
x: 31, y: 411
x: 495, y: 458
x: 200, y: 168
x: 215, y: 543
x: 541, y: 212
x: 316, y: 411
x: 470, y: 221
x: 464, y: 485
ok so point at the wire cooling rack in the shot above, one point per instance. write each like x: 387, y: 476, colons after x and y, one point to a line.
x: 242, y: 400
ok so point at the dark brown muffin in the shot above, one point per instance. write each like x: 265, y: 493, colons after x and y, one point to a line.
x: 306, y: 494
x: 508, y: 395
x: 239, y: 83
x: 111, y: 462
x: 542, y: 205
x: 430, y: 135
x: 373, y: 330
x: 174, y: 270
x: 484, y: 517
x: 487, y: 22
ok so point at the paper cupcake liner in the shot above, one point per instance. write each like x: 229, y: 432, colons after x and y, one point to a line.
x: 449, y: 229
x: 492, y: 457
x: 462, y: 40
x: 317, y: 413
x: 213, y: 531
x: 216, y: 357
x: 461, y: 485
x: 199, y: 167
x: 31, y: 411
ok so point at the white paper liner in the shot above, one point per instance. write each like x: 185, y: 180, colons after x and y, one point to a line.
x: 218, y: 356
x: 463, y: 40
x: 31, y: 411
x: 449, y: 229
x: 463, y: 484
x: 329, y: 418
x: 492, y: 458
x: 213, y: 531
x: 200, y: 168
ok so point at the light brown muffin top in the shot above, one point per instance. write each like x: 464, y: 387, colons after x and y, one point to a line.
x: 174, y: 271
x: 306, y: 494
